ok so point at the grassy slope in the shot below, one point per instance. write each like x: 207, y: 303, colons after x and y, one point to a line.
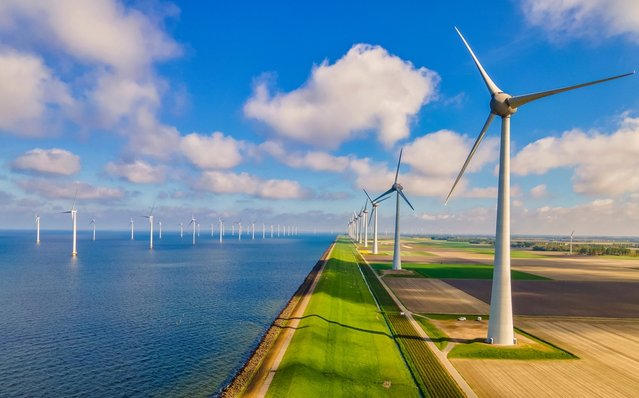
x: 342, y: 346
x: 458, y: 271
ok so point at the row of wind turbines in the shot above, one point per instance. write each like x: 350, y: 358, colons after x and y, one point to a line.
x: 500, y: 325
x: 276, y: 230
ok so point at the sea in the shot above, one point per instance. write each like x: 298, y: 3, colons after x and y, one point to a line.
x: 120, y: 320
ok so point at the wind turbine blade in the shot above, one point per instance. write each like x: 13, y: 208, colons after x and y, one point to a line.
x: 520, y: 100
x: 377, y: 199
x: 398, y: 162
x: 406, y: 199
x: 382, y: 199
x: 372, y: 214
x: 368, y: 196
x: 491, y: 116
x: 492, y: 87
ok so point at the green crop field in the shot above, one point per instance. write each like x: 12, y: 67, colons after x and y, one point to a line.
x: 457, y: 271
x: 342, y: 347
x: 436, y: 335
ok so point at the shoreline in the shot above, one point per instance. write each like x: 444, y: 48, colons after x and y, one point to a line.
x: 252, y: 372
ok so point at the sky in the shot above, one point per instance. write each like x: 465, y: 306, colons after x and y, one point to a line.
x: 281, y: 112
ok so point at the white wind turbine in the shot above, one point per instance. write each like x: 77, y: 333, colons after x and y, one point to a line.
x: 74, y: 219
x: 93, y: 223
x: 239, y: 230
x: 500, y: 325
x: 150, y: 217
x: 253, y: 230
x: 198, y: 229
x: 132, y: 230
x: 271, y: 231
x: 374, y: 206
x: 37, y: 223
x: 263, y: 231
x: 194, y: 223
x: 397, y: 188
x: 221, y: 229
x: 160, y: 229
x: 278, y: 230
x: 181, y: 230
x: 212, y: 231
x: 571, y: 235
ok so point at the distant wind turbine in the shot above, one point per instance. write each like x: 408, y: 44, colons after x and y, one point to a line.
x: 221, y: 229
x: 194, y: 223
x: 181, y: 230
x: 571, y: 235
x: 374, y: 218
x: 160, y: 229
x: 132, y: 230
x: 263, y: 231
x: 93, y: 223
x: 212, y: 231
x: 74, y: 219
x: 253, y: 230
x: 397, y: 188
x: 37, y: 223
x: 500, y: 325
x: 239, y: 230
x: 271, y: 230
x: 150, y: 217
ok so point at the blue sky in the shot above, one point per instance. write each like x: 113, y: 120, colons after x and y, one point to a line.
x: 281, y: 112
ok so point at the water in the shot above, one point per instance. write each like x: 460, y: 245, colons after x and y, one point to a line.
x: 121, y: 320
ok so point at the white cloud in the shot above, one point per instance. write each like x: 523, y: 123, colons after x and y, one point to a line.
x: 137, y: 172
x: 603, y: 164
x: 216, y: 151
x: 313, y: 160
x: 584, y: 18
x: 539, y: 191
x: 67, y: 190
x: 444, y: 152
x: 27, y: 87
x: 366, y: 89
x: 94, y: 31
x: 244, y: 183
x: 47, y: 161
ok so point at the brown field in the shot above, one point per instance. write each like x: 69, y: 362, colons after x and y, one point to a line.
x: 609, y: 359
x: 434, y: 296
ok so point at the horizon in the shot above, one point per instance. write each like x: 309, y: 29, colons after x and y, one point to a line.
x: 261, y: 112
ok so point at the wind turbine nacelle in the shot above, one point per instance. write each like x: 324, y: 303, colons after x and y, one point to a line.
x: 499, y: 105
x: 398, y: 186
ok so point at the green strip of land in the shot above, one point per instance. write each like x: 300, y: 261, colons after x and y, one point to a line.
x: 457, y: 271
x: 342, y: 346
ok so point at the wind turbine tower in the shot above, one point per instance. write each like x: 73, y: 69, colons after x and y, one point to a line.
x: 160, y: 232
x: 150, y: 217
x: 74, y: 219
x: 93, y: 223
x: 194, y: 223
x: 181, y: 230
x: 221, y: 229
x: 500, y: 325
x: 37, y: 223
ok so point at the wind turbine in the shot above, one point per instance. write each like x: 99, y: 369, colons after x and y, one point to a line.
x: 93, y: 223
x: 374, y: 206
x: 253, y: 230
x: 37, y: 223
x: 239, y: 230
x: 74, y: 218
x: 500, y: 325
x: 131, y: 223
x: 571, y: 235
x: 271, y: 231
x: 364, y: 221
x: 212, y: 231
x: 198, y: 229
x: 181, y: 230
x: 397, y: 188
x: 221, y: 229
x: 150, y: 217
x: 160, y: 226
x: 232, y: 229
x: 278, y: 230
x: 194, y: 223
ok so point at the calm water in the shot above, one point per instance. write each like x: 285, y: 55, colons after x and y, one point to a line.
x: 121, y: 320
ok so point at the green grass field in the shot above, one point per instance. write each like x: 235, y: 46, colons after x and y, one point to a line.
x: 342, y: 347
x: 539, y: 351
x: 457, y: 271
x: 438, y: 336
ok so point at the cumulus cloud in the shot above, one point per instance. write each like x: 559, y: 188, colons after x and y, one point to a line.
x: 312, y: 160
x: 47, y: 161
x: 216, y: 151
x: 603, y: 164
x: 584, y: 18
x: 27, y: 89
x: 137, y: 172
x: 539, y: 191
x: 67, y: 190
x: 244, y: 183
x: 367, y: 89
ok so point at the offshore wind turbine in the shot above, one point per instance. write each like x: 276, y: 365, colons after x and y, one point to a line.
x: 132, y: 230
x: 212, y: 231
x: 181, y: 230
x: 160, y: 231
x: 74, y: 219
x: 150, y: 217
x: 500, y: 325
x: 93, y: 223
x: 194, y: 223
x: 37, y: 223
x: 253, y: 230
x: 239, y: 230
x: 263, y: 231
x: 397, y: 188
x: 221, y: 229
x: 271, y: 231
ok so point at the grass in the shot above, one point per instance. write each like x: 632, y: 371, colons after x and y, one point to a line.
x: 342, y: 346
x: 539, y: 351
x: 436, y: 335
x: 513, y: 253
x: 457, y: 271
